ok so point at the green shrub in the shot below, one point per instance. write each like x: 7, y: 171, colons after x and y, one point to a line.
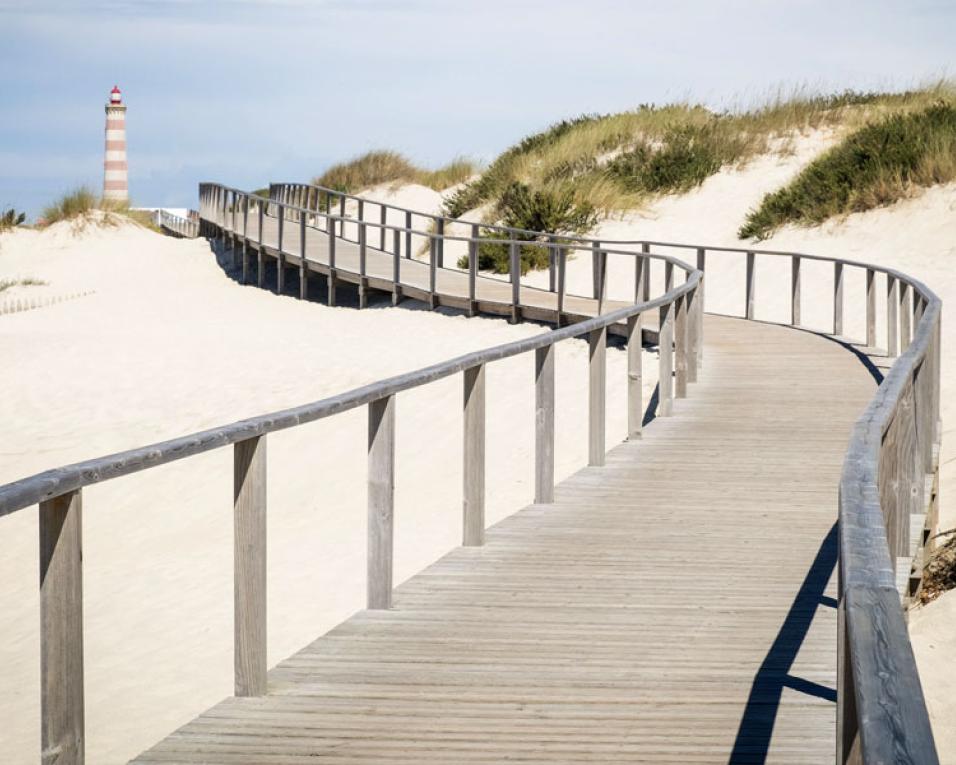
x: 11, y: 219
x: 495, y: 255
x: 876, y: 165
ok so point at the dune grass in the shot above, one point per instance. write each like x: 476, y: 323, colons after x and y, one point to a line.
x: 377, y: 167
x: 876, y: 165
x: 29, y: 281
x: 82, y: 207
x: 10, y: 218
x: 615, y: 162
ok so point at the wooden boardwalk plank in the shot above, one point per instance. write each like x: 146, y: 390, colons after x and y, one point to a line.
x: 674, y: 605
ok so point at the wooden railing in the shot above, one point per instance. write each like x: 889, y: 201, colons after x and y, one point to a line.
x: 58, y: 492
x: 188, y: 228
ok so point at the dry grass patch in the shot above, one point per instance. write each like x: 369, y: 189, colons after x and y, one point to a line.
x: 377, y: 167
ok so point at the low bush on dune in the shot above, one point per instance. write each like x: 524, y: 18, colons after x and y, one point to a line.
x: 11, y: 219
x: 874, y: 166
x: 378, y: 167
x: 536, y: 213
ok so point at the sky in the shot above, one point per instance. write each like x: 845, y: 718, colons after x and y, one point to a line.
x: 250, y: 91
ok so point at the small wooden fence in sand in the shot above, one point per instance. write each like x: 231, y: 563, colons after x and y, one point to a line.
x: 886, y: 489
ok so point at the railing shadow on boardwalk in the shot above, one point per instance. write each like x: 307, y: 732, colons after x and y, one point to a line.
x: 755, y: 732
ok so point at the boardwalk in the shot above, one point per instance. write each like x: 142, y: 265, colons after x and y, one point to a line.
x: 676, y: 605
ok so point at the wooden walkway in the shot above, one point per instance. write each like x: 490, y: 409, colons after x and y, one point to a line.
x: 493, y: 294
x: 676, y: 605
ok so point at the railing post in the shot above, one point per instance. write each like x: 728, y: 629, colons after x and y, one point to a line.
x: 699, y: 299
x: 515, y: 268
x: 870, y: 308
x: 665, y: 343
x: 473, y: 252
x: 331, y: 280
x: 635, y: 382
x: 596, y: 270
x: 892, y: 317
x: 562, y: 282
x: 597, y: 371
x: 396, y: 272
x: 751, y: 283
x: 441, y: 243
x: 668, y: 276
x: 473, y: 524
x: 249, y: 495
x: 795, y: 290
x: 552, y: 264
x: 408, y: 234
x: 235, y: 229
x: 433, y: 256
x: 260, y: 255
x: 280, y: 257
x: 342, y: 216
x: 363, y: 265
x: 680, y: 348
x: 381, y: 500
x: 602, y: 280
x: 245, y: 239
x: 838, y: 299
x: 693, y: 332
x: 303, y: 266
x: 544, y: 425
x: 383, y: 218
x: 906, y: 316
x: 646, y: 288
x: 61, y: 630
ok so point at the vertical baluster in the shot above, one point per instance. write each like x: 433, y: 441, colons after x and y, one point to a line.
x: 432, y: 270
x: 331, y: 280
x: 562, y: 282
x: 665, y: 384
x: 61, y: 630
x: 795, y: 290
x: 249, y: 541
x: 646, y: 288
x: 597, y: 372
x: 342, y: 216
x: 303, y: 263
x: 473, y: 253
x: 515, y: 267
x: 905, y: 317
x: 473, y: 533
x: 544, y: 425
x: 363, y: 265
x: 602, y: 280
x: 870, y: 308
x: 441, y: 242
x: 381, y: 500
x: 280, y: 257
x: 693, y: 332
x: 892, y: 318
x: 838, y: 299
x: 245, y: 239
x: 751, y: 277
x: 668, y: 276
x: 552, y: 264
x: 383, y: 217
x: 635, y: 382
x: 360, y: 214
x: 408, y: 234
x: 396, y: 273
x: 596, y: 270
x: 680, y: 348
x: 260, y: 252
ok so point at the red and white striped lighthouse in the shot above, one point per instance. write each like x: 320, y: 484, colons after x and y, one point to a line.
x: 115, y: 180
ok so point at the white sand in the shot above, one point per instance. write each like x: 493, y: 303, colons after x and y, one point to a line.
x: 169, y: 345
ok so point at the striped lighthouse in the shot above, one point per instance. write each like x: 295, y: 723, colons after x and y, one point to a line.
x: 115, y: 183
